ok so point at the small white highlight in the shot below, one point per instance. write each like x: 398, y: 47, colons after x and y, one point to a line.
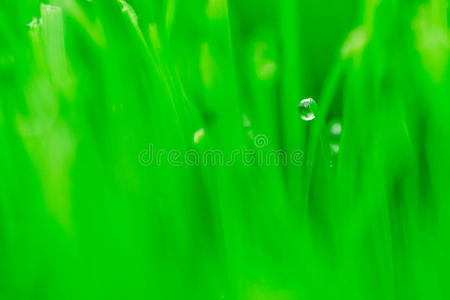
x: 198, y: 135
x: 34, y: 23
x: 126, y: 8
x: 334, y: 148
x: 48, y: 7
x: 336, y: 129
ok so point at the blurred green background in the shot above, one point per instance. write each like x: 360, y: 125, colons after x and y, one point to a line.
x: 87, y: 87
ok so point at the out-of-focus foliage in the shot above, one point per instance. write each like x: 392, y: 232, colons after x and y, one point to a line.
x: 90, y: 89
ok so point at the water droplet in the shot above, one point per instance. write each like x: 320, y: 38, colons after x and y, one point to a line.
x: 336, y: 128
x: 334, y: 148
x: 334, y: 133
x: 307, y: 108
x: 248, y: 125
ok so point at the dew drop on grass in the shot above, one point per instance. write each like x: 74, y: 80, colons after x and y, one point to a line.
x: 307, y: 109
x: 248, y: 126
x: 335, y: 128
x: 334, y: 134
x: 334, y: 148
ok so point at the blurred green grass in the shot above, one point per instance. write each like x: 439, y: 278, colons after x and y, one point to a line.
x: 88, y: 85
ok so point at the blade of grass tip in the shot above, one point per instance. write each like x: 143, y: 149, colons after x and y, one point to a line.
x: 52, y: 33
x: 47, y: 138
x: 155, y: 52
x: 173, y: 92
x: 193, y: 120
x: 170, y: 13
x: 176, y: 203
x: 34, y: 34
x: 317, y: 130
x: 128, y: 10
x: 166, y: 72
x: 94, y: 29
x: 172, y: 95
